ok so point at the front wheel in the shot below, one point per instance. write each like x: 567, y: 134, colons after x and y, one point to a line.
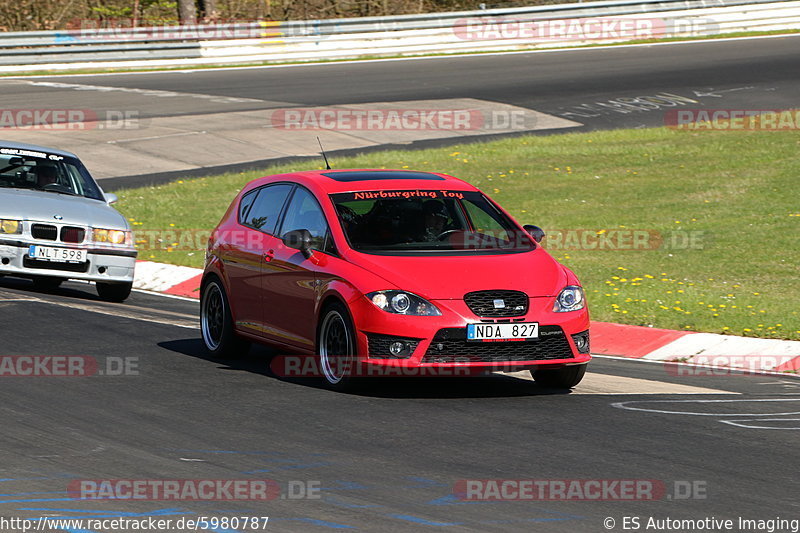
x: 114, y: 292
x: 565, y: 377
x: 216, y: 323
x: 336, y: 348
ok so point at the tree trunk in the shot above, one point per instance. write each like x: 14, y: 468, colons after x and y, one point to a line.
x: 210, y: 13
x: 187, y: 12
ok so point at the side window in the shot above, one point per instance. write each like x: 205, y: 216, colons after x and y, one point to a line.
x: 305, y: 213
x: 482, y: 221
x: 266, y: 207
x: 244, y: 205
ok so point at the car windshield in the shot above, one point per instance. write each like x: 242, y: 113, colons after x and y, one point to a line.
x: 401, y: 222
x: 30, y: 169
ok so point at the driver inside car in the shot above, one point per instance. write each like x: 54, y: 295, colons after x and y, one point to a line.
x: 435, y: 218
x: 45, y: 175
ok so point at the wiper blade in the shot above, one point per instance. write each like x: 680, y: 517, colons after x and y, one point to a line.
x: 70, y: 193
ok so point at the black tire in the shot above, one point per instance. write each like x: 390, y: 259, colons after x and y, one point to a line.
x: 336, y: 348
x: 114, y: 292
x: 216, y: 323
x: 47, y: 283
x: 565, y: 377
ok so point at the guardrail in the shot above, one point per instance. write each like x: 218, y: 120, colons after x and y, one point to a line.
x: 471, y: 31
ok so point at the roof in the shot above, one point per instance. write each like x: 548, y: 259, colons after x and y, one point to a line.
x: 35, y: 148
x: 351, y: 180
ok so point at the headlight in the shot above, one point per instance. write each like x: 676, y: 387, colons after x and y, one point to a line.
x: 10, y: 226
x: 403, y: 303
x: 570, y: 299
x: 113, y: 236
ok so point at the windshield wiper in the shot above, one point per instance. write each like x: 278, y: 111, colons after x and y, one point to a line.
x: 56, y: 191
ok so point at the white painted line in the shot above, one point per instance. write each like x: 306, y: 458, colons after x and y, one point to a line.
x: 694, y: 365
x: 742, y: 424
x: 180, y: 320
x: 626, y: 406
x: 145, y: 92
x: 165, y: 295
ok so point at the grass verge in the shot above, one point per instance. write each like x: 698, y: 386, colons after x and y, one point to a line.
x: 719, y: 209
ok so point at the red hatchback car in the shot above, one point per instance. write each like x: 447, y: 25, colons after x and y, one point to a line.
x: 388, y: 269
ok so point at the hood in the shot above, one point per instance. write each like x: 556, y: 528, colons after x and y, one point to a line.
x: 450, y: 277
x: 42, y: 206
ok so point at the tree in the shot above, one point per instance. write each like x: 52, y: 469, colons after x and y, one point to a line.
x: 187, y: 12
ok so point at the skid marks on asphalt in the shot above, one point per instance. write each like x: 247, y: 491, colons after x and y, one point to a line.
x: 605, y: 384
x: 761, y: 413
x: 121, y: 310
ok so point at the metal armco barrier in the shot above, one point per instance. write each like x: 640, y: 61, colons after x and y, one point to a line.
x: 471, y: 31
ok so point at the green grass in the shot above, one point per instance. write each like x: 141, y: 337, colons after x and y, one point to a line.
x: 734, y: 191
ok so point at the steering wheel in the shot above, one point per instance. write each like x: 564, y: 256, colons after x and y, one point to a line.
x: 444, y: 234
x: 57, y: 187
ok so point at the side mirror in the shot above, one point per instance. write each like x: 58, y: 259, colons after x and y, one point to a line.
x: 111, y: 198
x: 535, y: 231
x: 299, y: 239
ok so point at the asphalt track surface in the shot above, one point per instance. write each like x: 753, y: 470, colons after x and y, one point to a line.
x: 386, y: 458
x: 735, y: 74
x: 389, y: 457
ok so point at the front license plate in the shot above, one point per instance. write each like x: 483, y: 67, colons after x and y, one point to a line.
x: 502, y: 332
x: 58, y: 255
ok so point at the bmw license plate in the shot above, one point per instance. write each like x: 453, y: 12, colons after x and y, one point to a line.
x: 58, y: 255
x: 503, y: 332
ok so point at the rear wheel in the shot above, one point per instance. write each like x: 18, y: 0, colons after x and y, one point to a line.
x: 565, y: 377
x: 216, y: 323
x: 114, y: 292
x: 47, y: 283
x: 337, y: 346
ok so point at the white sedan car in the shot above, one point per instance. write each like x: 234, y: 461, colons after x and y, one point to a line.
x: 56, y: 223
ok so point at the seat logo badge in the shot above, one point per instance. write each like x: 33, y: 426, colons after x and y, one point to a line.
x: 57, y: 217
x: 499, y: 304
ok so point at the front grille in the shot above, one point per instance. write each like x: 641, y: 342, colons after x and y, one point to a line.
x: 497, y: 304
x: 72, y: 234
x: 379, y: 346
x: 44, y: 231
x: 450, y: 346
x: 27, y: 262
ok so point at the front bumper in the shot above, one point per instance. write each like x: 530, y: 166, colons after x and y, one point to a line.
x: 111, y: 265
x: 440, y: 341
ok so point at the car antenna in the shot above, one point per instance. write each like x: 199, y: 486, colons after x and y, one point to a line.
x: 325, y: 157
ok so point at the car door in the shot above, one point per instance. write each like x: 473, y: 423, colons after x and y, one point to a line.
x: 247, y: 247
x: 289, y: 285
